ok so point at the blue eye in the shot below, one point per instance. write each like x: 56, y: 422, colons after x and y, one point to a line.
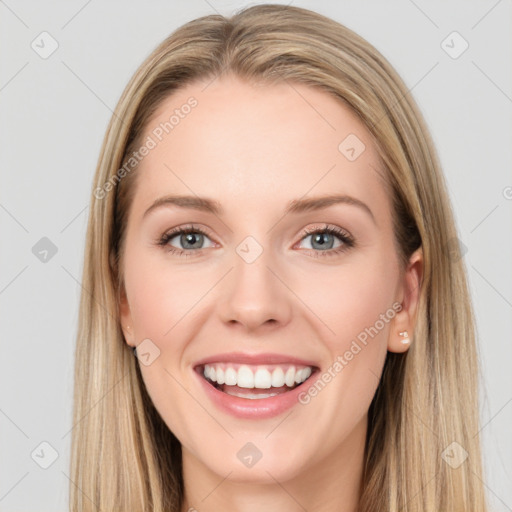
x: 326, y: 241
x: 329, y: 240
x: 322, y: 240
x: 189, y: 238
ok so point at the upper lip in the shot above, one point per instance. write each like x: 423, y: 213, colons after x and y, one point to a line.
x: 255, y: 359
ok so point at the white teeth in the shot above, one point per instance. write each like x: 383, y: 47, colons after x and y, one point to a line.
x: 289, y: 377
x: 230, y: 377
x: 245, y: 377
x: 278, y: 378
x: 259, y: 377
x: 262, y: 379
x: 252, y: 396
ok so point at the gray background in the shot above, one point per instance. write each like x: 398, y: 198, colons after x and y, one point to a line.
x: 54, y: 113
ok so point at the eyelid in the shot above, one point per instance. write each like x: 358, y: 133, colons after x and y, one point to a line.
x: 338, y: 231
x: 186, y: 228
x: 346, y: 239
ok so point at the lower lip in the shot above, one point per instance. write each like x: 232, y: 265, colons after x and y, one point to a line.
x: 258, y: 408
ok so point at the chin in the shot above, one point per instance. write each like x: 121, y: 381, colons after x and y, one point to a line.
x: 258, y: 461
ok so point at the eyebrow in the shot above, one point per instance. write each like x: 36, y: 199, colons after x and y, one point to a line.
x: 205, y: 204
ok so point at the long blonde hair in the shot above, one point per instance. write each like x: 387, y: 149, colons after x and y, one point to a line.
x: 123, y: 455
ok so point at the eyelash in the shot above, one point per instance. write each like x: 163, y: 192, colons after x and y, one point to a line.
x: 348, y: 241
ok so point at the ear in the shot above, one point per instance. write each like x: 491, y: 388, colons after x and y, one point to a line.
x: 409, y: 292
x: 125, y: 317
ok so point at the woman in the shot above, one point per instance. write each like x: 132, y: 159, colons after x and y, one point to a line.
x: 271, y: 237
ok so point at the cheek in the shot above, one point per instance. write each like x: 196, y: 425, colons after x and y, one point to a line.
x: 160, y: 294
x: 356, y: 304
x: 352, y: 299
x: 161, y: 298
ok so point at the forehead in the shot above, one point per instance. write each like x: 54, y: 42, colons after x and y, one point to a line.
x: 240, y: 143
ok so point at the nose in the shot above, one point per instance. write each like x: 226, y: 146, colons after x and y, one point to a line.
x: 255, y: 296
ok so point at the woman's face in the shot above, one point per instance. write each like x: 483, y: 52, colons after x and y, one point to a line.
x: 289, y: 269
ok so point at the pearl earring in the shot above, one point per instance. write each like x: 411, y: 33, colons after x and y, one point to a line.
x: 405, y: 339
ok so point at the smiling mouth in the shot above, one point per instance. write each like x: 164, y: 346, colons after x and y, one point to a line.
x: 255, y: 381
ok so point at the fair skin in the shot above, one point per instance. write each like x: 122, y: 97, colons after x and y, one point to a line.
x: 254, y: 149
